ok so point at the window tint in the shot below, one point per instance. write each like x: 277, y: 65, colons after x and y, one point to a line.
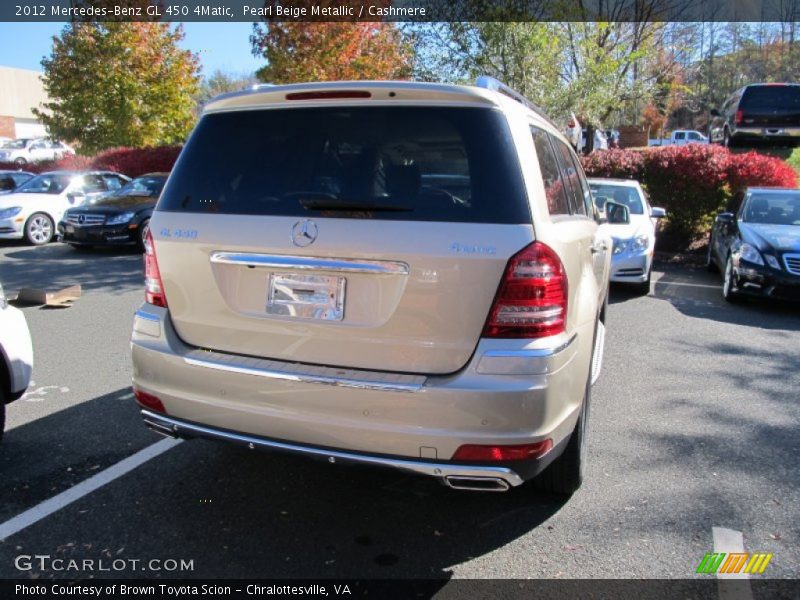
x: 680, y: 135
x: 92, y: 184
x: 781, y: 208
x: 555, y: 193
x: 46, y: 184
x: 772, y: 98
x: 112, y: 182
x: 407, y: 163
x: 570, y: 175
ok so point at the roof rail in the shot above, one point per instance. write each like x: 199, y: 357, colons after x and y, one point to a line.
x: 490, y: 83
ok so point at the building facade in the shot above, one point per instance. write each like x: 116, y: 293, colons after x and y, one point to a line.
x: 21, y: 91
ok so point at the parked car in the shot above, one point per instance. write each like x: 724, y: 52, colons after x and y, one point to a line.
x: 755, y: 243
x: 767, y: 113
x: 634, y: 242
x: 117, y: 219
x: 32, y: 150
x: 16, y: 356
x: 680, y: 137
x: 10, y: 180
x: 332, y: 295
x: 31, y: 211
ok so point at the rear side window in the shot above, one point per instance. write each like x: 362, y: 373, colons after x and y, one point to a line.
x: 398, y: 163
x: 772, y: 98
x: 554, y: 189
x: 570, y: 175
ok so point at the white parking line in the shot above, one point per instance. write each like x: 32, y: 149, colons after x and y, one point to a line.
x: 76, y: 492
x: 731, y: 541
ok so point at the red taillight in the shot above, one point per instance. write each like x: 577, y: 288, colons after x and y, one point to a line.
x: 503, y: 453
x: 739, y: 117
x: 338, y: 95
x: 153, y: 287
x: 146, y: 400
x: 531, y: 301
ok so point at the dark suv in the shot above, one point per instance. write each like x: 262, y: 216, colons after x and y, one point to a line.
x: 758, y: 113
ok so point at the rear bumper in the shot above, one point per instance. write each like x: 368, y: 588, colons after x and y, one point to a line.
x: 489, y: 478
x: 773, y: 135
x: 510, y: 393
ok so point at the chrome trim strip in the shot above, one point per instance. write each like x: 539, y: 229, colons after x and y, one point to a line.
x: 531, y: 353
x: 304, y: 377
x: 180, y: 428
x: 147, y: 316
x: 341, y: 265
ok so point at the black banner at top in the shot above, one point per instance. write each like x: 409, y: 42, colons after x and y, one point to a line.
x: 400, y: 10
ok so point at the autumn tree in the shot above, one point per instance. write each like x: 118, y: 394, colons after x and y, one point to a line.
x: 119, y: 84
x: 330, y: 51
x: 222, y: 82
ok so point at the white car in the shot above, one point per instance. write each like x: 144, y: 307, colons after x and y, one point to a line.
x: 31, y: 150
x: 16, y: 356
x: 32, y: 210
x: 632, y: 257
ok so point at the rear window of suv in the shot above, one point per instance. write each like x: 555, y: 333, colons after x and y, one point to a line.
x: 772, y: 98
x: 401, y: 163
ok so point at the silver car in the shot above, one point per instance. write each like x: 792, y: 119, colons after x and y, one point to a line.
x: 395, y: 274
x: 634, y: 241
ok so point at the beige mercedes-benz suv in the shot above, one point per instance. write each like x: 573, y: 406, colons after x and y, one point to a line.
x: 397, y: 274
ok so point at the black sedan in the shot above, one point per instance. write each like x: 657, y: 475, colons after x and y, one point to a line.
x: 755, y: 243
x: 118, y: 218
x: 10, y: 180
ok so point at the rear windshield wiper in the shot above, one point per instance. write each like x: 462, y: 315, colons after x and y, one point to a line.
x: 322, y: 201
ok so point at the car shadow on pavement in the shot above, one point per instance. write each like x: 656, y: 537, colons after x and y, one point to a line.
x: 55, y: 266
x: 43, y: 457
x: 697, y: 293
x: 238, y: 513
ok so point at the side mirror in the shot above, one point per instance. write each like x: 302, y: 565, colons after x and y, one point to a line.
x: 617, y: 214
x: 76, y: 197
x: 725, y: 218
x: 715, y: 113
x: 657, y: 212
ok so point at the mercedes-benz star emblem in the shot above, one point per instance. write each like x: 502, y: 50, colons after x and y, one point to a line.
x: 81, y: 219
x: 304, y: 233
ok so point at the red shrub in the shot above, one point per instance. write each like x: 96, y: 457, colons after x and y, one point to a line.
x: 137, y: 161
x: 692, y: 182
x: 753, y: 168
x: 623, y: 164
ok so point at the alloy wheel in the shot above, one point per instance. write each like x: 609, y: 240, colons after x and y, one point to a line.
x: 40, y: 229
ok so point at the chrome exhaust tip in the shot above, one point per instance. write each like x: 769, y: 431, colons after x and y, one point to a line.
x: 477, y: 484
x: 161, y: 429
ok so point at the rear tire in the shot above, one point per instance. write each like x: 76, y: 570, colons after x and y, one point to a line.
x: 565, y: 474
x: 20, y: 162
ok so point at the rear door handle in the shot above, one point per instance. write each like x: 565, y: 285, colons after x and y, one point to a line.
x: 598, y: 247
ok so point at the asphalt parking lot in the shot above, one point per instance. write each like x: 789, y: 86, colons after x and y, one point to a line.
x: 693, y: 425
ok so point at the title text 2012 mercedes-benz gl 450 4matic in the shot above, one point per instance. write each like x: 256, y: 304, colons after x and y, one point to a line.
x: 398, y: 274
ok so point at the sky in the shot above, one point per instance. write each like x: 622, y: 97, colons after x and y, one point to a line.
x: 223, y: 46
